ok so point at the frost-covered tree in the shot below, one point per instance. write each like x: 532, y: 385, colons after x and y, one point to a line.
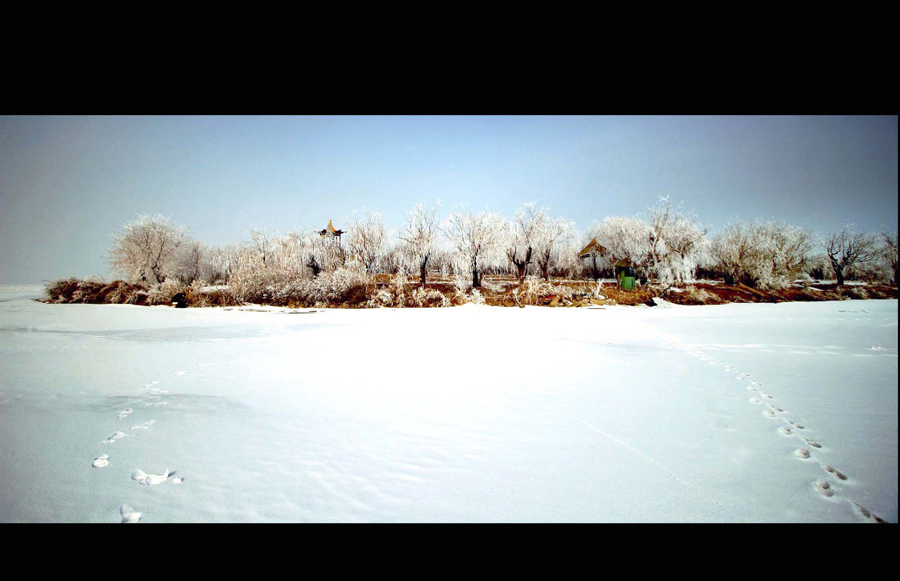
x: 393, y: 260
x: 262, y: 243
x: 736, y: 252
x: 476, y: 240
x: 553, y: 246
x: 192, y: 262
x: 847, y: 249
x: 625, y: 239
x: 441, y: 261
x: 763, y: 254
x: 368, y: 239
x: 676, y: 243
x: 667, y: 243
x: 788, y: 248
x: 520, y: 237
x: 321, y: 253
x: 143, y: 251
x: 223, y: 261
x: 889, y: 253
x: 420, y: 238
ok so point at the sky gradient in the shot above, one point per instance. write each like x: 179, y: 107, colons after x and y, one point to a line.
x: 67, y: 183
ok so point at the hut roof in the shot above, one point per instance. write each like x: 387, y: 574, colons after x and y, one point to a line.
x: 330, y: 230
x: 592, y: 247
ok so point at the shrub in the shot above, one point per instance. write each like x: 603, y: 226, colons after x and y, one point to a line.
x: 275, y: 287
x: 854, y: 292
x: 429, y: 298
x: 72, y: 290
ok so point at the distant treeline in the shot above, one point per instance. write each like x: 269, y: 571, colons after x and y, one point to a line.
x: 666, y: 245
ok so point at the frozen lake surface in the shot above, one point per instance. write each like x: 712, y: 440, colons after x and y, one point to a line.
x: 753, y: 413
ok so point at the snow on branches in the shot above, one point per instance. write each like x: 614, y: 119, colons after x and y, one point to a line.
x: 762, y: 254
x: 476, y: 241
x: 667, y: 244
x: 520, y: 237
x: 143, y: 251
x: 419, y: 239
x: 368, y: 239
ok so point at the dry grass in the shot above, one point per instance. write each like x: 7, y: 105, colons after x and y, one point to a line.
x: 72, y: 290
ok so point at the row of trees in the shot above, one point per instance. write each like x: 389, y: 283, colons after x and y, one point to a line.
x: 666, y: 244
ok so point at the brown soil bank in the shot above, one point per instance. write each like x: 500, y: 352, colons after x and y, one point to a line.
x: 496, y: 291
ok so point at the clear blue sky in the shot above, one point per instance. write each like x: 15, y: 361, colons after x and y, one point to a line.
x: 66, y: 183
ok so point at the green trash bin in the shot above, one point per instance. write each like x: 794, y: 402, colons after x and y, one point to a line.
x: 625, y: 276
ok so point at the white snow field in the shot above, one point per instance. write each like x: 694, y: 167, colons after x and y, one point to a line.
x: 733, y: 413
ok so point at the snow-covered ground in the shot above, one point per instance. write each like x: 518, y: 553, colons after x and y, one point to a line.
x: 462, y: 414
x: 11, y: 292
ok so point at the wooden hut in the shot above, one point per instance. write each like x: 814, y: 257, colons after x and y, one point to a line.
x: 592, y: 251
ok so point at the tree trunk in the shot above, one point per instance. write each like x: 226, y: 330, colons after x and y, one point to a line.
x: 520, y: 272
x: 155, y: 269
x: 594, y: 270
x: 838, y: 272
x: 475, y: 282
x: 524, y: 268
x: 423, y: 270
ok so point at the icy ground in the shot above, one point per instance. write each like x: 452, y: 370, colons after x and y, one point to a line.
x: 753, y: 413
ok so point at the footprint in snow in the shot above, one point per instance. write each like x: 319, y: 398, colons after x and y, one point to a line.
x: 101, y: 461
x: 754, y: 400
x: 112, y: 439
x: 145, y: 479
x: 775, y: 408
x: 834, y: 471
x: 129, y: 516
x: 770, y: 414
x: 125, y: 413
x: 765, y: 395
x: 785, y: 431
x: 143, y: 425
x: 157, y: 404
x: 751, y: 388
x: 812, y: 443
x: 823, y: 487
x: 798, y: 426
x: 867, y: 514
x: 802, y: 454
